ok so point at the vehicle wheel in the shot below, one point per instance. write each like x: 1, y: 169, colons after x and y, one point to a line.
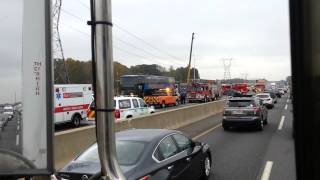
x: 207, y: 168
x: 76, y: 120
x: 226, y: 128
x: 163, y: 105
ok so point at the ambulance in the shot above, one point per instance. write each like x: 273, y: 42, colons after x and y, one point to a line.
x: 71, y: 102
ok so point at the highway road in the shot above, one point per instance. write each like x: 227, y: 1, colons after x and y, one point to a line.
x: 10, y: 135
x: 247, y: 154
x: 240, y: 154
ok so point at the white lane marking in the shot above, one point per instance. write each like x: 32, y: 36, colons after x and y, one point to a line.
x: 18, y: 127
x: 17, y: 139
x: 206, y: 132
x: 287, y: 100
x: 267, y: 171
x: 281, y: 123
x: 286, y: 107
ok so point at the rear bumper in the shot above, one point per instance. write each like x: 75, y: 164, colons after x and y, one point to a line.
x: 241, y: 121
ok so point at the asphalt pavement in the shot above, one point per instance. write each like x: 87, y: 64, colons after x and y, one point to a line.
x: 10, y: 135
x: 248, y: 154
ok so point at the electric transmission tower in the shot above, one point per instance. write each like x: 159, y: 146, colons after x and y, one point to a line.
x: 227, y: 67
x: 60, y: 67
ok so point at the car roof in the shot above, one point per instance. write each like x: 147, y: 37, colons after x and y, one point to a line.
x: 125, y: 97
x: 146, y: 135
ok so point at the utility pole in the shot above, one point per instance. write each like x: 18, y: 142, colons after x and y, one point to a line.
x: 190, y: 56
x: 57, y: 44
x: 194, y: 68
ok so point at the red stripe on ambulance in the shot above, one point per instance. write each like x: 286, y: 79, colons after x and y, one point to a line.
x: 71, y: 108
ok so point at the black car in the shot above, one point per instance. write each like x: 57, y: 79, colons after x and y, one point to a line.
x: 278, y: 93
x: 147, y: 154
x: 244, y: 112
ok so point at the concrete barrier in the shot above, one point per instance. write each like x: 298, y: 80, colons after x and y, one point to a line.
x: 68, y: 144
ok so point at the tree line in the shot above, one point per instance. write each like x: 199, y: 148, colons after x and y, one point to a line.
x: 80, y: 72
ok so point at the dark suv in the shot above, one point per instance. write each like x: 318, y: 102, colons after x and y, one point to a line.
x: 244, y: 112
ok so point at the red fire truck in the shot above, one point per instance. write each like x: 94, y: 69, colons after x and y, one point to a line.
x: 241, y: 87
x: 200, y: 92
x: 225, y: 87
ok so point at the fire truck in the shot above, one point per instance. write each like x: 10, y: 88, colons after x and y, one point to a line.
x: 241, y: 87
x: 225, y: 87
x: 200, y: 92
x: 71, y: 102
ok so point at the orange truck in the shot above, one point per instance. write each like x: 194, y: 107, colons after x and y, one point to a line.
x: 162, y: 97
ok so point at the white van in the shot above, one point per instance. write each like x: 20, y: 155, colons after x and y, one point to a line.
x: 71, y: 102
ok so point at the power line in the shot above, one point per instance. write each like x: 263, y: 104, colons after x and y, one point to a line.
x: 125, y: 42
x: 120, y: 49
x: 135, y: 47
x: 147, y: 43
x: 73, y: 15
x: 83, y: 4
x: 75, y: 29
x: 137, y: 37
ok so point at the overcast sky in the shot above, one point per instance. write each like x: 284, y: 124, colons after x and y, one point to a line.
x: 254, y: 33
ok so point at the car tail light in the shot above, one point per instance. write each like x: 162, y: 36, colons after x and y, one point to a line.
x: 257, y: 110
x: 144, y: 178
x: 117, y: 114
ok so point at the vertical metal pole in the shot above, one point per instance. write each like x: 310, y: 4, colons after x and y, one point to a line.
x: 189, y: 65
x: 104, y: 90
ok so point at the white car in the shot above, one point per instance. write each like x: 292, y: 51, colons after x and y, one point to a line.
x: 126, y: 107
x: 8, y: 110
x: 268, y: 101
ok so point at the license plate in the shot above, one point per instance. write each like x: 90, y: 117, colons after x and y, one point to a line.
x: 237, y: 112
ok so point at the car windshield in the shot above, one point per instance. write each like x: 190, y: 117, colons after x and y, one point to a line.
x: 263, y: 96
x: 128, y: 152
x: 241, y: 103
